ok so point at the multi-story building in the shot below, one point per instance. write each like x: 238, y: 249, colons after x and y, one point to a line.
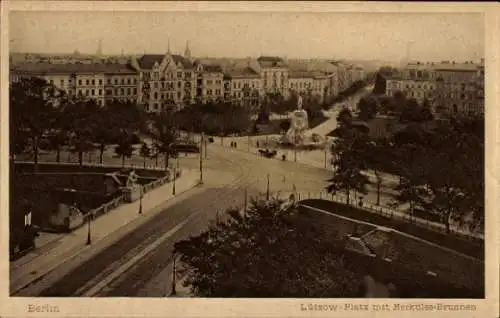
x: 90, y: 83
x: 460, y: 88
x: 209, y: 82
x: 274, y: 75
x: 449, y: 87
x: 301, y: 81
x: 165, y: 81
x: 358, y: 73
x: 417, y: 81
x: 243, y: 86
x: 121, y: 83
x: 84, y: 80
x: 342, y: 77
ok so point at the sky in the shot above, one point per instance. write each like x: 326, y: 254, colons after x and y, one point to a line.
x: 364, y: 36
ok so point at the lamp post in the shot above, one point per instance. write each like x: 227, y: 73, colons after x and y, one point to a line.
x: 173, y: 291
x: 326, y: 154
x: 206, y: 148
x: 201, y: 158
x: 295, y: 147
x: 176, y: 168
x: 267, y: 191
x: 89, y: 238
x: 140, y: 199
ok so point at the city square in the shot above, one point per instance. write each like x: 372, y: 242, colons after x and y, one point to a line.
x: 174, y: 174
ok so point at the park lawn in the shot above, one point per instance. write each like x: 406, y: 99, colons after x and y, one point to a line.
x: 471, y: 248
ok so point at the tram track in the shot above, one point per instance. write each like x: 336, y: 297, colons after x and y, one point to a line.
x: 80, y: 280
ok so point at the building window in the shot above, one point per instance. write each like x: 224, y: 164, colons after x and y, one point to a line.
x: 128, y: 81
x: 109, y: 92
x: 100, y: 92
x: 86, y: 92
x: 155, y: 85
x: 93, y: 82
x: 100, y: 82
x: 135, y: 91
x: 178, y: 95
x: 179, y: 84
x: 122, y: 91
x: 109, y: 80
x: 117, y: 92
x: 179, y: 74
x: 62, y: 82
x: 116, y: 81
x: 128, y: 91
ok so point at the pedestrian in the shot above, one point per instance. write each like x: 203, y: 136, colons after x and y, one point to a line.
x: 360, y: 203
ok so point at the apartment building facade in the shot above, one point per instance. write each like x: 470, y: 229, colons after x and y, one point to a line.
x: 91, y: 81
x: 450, y: 87
x: 274, y: 75
x: 460, y: 88
x: 165, y: 81
x: 209, y: 82
x: 243, y: 87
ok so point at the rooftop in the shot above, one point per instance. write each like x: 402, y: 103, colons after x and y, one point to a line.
x: 271, y: 61
x: 48, y: 68
x: 242, y: 72
x: 148, y: 61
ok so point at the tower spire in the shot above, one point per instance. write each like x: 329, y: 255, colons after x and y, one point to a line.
x: 168, y: 47
x: 187, y: 53
x: 99, y: 48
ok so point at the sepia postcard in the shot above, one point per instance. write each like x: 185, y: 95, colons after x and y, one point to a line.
x: 249, y: 159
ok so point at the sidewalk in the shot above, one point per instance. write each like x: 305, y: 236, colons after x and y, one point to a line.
x: 23, y: 273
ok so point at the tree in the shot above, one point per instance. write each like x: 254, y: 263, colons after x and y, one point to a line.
x: 349, y: 162
x: 367, y: 108
x: 165, y: 135
x: 456, y: 175
x: 413, y: 164
x: 85, y: 115
x: 33, y: 102
x: 145, y: 152
x: 265, y: 254
x: 377, y: 153
x: 344, y: 118
x: 125, y: 149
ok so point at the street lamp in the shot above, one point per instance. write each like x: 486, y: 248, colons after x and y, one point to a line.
x: 201, y: 157
x: 140, y: 199
x: 267, y: 191
x: 206, y: 149
x: 89, y: 238
x: 175, y: 175
x: 173, y: 291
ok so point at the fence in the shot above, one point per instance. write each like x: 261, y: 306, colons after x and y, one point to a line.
x: 392, y: 214
x: 116, y: 202
x: 99, y: 165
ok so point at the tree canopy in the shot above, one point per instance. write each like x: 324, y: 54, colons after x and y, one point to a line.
x: 265, y: 254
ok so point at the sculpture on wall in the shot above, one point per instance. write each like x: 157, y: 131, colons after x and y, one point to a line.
x: 132, y: 179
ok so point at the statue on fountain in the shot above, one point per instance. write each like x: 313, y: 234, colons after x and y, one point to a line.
x: 299, y: 124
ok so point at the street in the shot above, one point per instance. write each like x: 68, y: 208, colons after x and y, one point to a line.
x: 227, y: 173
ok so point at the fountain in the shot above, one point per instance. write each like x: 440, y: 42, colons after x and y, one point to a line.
x: 299, y: 135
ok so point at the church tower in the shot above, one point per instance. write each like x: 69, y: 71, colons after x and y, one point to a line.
x: 99, y: 48
x: 187, y: 52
